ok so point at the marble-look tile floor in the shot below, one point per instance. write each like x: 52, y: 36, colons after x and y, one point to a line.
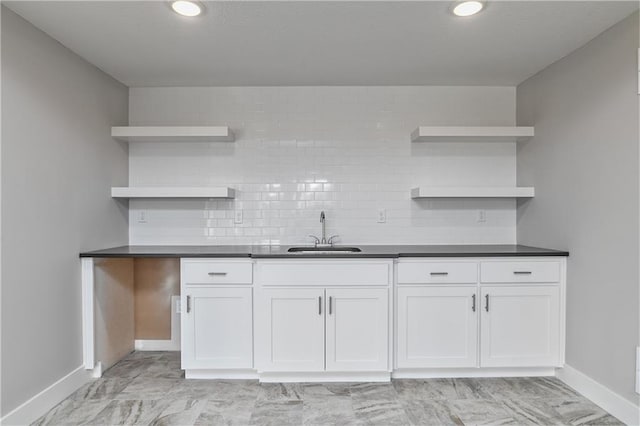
x: 148, y: 388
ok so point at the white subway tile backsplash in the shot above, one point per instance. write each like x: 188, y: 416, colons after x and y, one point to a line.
x: 300, y: 150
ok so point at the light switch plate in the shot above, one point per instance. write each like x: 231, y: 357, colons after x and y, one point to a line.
x: 382, y: 216
x: 238, y: 216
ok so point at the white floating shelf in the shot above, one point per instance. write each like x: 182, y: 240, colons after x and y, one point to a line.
x: 471, y: 134
x: 472, y: 192
x: 176, y: 192
x: 173, y: 134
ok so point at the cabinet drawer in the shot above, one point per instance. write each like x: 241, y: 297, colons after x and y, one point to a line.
x: 520, y: 272
x: 322, y: 273
x: 437, y: 273
x: 216, y: 272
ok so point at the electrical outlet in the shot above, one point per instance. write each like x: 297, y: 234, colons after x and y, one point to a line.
x: 382, y: 216
x: 238, y: 216
x: 142, y: 217
x: 482, y: 216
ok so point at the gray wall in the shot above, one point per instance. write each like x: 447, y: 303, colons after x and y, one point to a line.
x: 58, y: 163
x: 583, y: 162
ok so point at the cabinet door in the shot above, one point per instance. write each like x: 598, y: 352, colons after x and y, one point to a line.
x: 290, y: 330
x: 217, y: 328
x: 437, y: 327
x: 520, y: 326
x: 357, y: 329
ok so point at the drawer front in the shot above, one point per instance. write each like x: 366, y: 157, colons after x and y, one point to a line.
x: 297, y: 273
x: 217, y: 272
x: 520, y: 272
x: 437, y: 273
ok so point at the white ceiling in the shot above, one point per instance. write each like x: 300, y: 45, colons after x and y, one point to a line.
x: 267, y: 43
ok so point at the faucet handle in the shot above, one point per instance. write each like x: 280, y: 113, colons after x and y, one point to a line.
x: 330, y: 241
x: 317, y: 240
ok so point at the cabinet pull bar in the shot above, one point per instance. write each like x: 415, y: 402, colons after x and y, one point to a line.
x: 217, y: 274
x: 442, y: 274
x: 188, y: 303
x: 319, y: 305
x: 330, y: 303
x: 522, y: 272
x: 473, y: 304
x: 486, y: 306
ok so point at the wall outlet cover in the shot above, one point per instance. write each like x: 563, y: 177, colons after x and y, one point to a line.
x: 142, y: 217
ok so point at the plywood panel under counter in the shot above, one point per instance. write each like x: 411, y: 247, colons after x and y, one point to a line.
x: 156, y: 280
x: 114, y: 310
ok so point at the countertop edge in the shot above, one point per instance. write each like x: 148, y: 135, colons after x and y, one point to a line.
x: 90, y: 254
x: 327, y: 256
x: 123, y: 252
x: 533, y: 254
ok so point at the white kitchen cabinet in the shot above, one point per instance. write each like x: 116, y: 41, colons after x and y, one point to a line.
x: 216, y: 272
x: 357, y: 336
x: 437, y: 326
x: 290, y: 330
x: 291, y: 337
x: 320, y: 320
x: 512, y: 272
x: 217, y: 328
x: 520, y: 326
x: 326, y: 317
x: 421, y: 272
x: 322, y: 273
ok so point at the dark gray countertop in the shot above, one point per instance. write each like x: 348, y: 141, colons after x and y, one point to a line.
x: 378, y: 251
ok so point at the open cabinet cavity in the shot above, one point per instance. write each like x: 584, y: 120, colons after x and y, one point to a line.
x: 135, y: 307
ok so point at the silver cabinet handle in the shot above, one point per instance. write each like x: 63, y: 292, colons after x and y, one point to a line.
x: 217, y: 274
x: 319, y: 305
x: 188, y: 304
x: 441, y: 274
x: 522, y: 272
x: 330, y: 303
x: 473, y: 303
x: 486, y: 306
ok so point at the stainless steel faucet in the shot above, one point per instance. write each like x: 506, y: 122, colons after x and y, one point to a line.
x: 323, y: 242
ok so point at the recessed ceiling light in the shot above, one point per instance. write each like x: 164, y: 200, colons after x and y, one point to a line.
x: 467, y: 8
x: 186, y: 8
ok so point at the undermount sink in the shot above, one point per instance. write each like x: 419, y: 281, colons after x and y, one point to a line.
x: 324, y: 250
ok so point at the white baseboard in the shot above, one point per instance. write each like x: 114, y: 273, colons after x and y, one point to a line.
x: 96, y: 373
x: 246, y: 374
x: 156, y: 345
x: 432, y: 373
x: 44, y: 401
x: 324, y: 376
x: 616, y: 405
